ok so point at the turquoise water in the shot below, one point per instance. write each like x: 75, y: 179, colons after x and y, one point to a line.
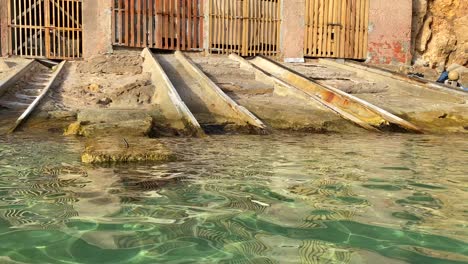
x: 239, y: 199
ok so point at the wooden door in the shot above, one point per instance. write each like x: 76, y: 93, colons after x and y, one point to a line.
x: 245, y: 27
x: 161, y: 24
x: 45, y: 28
x: 336, y: 28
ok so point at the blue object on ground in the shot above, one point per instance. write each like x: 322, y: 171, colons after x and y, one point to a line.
x: 443, y: 77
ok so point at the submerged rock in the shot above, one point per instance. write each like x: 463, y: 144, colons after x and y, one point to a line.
x: 119, y: 149
x: 73, y: 129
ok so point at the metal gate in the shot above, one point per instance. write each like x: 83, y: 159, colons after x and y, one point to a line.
x: 45, y: 28
x: 245, y: 27
x: 336, y: 28
x: 162, y: 24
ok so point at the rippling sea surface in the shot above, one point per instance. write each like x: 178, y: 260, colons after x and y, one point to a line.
x: 239, y: 199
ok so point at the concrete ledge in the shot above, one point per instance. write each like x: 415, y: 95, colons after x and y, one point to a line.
x: 15, y: 76
x: 123, y: 150
x: 222, y: 104
x: 166, y: 96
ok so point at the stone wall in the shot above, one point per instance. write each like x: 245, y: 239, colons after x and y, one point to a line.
x: 440, y: 32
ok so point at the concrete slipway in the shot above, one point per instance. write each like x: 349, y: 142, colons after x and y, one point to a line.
x: 197, y: 85
x: 195, y: 95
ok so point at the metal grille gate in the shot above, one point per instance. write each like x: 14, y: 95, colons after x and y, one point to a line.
x: 336, y: 28
x: 245, y: 27
x: 45, y: 28
x: 162, y: 24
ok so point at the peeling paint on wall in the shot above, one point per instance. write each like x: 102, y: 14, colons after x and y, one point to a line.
x: 390, y: 32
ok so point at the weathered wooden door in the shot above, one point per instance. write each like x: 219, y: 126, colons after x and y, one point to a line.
x: 162, y: 24
x: 336, y: 28
x: 45, y: 28
x: 245, y: 27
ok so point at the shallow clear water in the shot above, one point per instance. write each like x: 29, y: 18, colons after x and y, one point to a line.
x: 240, y: 199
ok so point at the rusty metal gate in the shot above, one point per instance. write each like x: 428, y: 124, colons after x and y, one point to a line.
x: 336, y: 28
x: 45, y: 28
x: 161, y: 24
x: 245, y: 27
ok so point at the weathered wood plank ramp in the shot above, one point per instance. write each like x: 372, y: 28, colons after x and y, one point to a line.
x: 20, y: 99
x: 350, y: 107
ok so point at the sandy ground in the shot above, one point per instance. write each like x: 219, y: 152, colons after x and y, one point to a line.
x: 103, y: 82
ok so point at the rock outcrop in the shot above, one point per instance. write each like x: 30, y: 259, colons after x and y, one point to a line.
x: 440, y: 32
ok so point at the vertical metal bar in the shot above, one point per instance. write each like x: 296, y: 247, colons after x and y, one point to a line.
x: 150, y: 23
x: 74, y: 29
x: 79, y: 32
x: 138, y: 23
x: 166, y: 23
x: 132, y: 22
x: 145, y: 24
x: 158, y: 23
x: 68, y: 27
x: 177, y: 24
x: 21, y: 27
x: 114, y: 20
x: 29, y: 29
x: 33, y: 31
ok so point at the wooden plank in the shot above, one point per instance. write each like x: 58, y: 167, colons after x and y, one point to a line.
x: 245, y: 28
x: 357, y: 28
x: 184, y: 25
x: 126, y: 22
x: 166, y: 24
x: 343, y: 28
x: 223, y: 25
x: 335, y: 29
x: 150, y: 25
x: 210, y: 34
x: 366, y: 24
x: 170, y: 29
x: 158, y: 24
x: 189, y: 23
x: 362, y: 30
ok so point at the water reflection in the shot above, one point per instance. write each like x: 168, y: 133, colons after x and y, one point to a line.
x: 240, y: 199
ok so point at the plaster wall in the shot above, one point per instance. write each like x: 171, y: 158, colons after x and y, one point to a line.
x: 292, y: 30
x: 97, y: 27
x: 390, y: 32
